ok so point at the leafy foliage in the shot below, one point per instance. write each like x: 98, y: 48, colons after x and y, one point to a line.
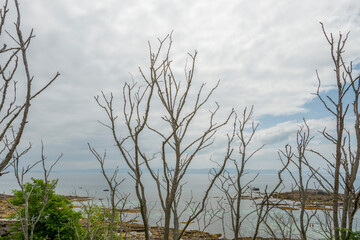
x: 97, y: 221
x: 352, y: 235
x: 58, y: 217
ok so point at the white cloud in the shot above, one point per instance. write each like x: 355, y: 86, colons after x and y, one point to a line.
x: 265, y: 53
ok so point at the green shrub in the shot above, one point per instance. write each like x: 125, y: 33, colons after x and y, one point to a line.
x: 97, y: 221
x: 58, y: 217
x: 354, y: 235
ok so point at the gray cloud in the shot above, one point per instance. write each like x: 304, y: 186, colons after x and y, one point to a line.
x: 265, y: 54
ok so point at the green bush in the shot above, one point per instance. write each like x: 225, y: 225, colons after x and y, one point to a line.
x: 58, y: 217
x: 97, y: 221
x: 354, y: 235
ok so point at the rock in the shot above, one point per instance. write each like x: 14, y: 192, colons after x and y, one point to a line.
x: 5, y: 208
x: 5, y: 227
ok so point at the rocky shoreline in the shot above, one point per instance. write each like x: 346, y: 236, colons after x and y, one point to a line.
x: 134, y: 231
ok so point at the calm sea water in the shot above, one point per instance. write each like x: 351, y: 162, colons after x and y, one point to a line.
x: 94, y: 184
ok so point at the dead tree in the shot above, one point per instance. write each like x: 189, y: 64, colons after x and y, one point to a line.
x: 207, y: 218
x: 27, y: 221
x: 113, y: 183
x: 267, y: 203
x: 14, y: 111
x: 284, y: 226
x: 132, y: 108
x: 299, y: 160
x: 89, y: 209
x: 177, y: 148
x: 344, y: 164
x: 233, y: 185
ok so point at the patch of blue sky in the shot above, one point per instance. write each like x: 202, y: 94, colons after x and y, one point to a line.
x: 312, y: 110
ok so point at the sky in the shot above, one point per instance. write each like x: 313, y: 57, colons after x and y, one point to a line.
x: 265, y: 54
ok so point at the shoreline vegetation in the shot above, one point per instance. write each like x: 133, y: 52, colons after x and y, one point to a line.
x: 317, y: 199
x: 132, y: 229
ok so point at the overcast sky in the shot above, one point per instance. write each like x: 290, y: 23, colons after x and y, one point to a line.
x: 264, y: 52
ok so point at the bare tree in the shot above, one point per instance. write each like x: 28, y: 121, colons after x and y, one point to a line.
x: 178, y: 149
x: 233, y: 185
x: 344, y: 164
x: 27, y: 221
x: 113, y: 183
x: 267, y: 203
x: 299, y: 160
x: 281, y: 227
x: 207, y: 218
x: 14, y: 111
x: 89, y: 209
x: 132, y: 156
